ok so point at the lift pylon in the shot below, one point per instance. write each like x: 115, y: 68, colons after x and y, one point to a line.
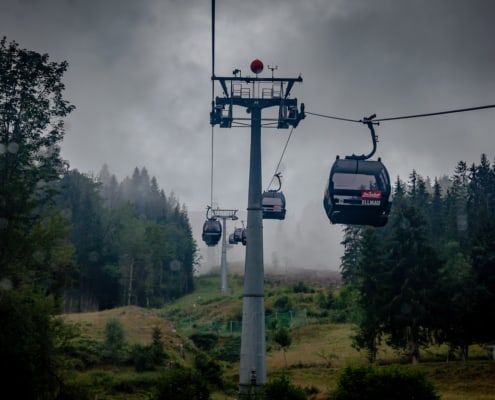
x: 224, y: 215
x: 254, y: 94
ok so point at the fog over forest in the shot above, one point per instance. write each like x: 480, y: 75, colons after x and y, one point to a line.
x: 139, y: 74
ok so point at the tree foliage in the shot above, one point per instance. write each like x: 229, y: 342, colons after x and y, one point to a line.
x: 32, y: 112
x: 428, y: 275
x: 66, y: 236
x: 182, y: 384
x: 29, y: 344
x: 369, y: 383
x: 136, y: 249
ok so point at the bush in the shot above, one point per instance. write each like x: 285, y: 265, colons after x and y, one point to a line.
x: 84, y: 352
x: 209, y: 369
x: 114, y: 344
x: 281, y: 388
x: 74, y: 391
x: 204, y: 341
x: 282, y: 304
x: 300, y: 287
x: 143, y: 358
x: 228, y: 350
x: 370, y: 383
x: 182, y: 384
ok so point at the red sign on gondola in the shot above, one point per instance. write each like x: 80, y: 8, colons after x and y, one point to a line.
x: 371, y: 194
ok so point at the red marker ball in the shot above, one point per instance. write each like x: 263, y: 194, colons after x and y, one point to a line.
x: 257, y: 66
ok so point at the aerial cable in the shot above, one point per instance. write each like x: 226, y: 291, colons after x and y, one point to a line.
x: 211, y: 172
x: 280, y: 161
x: 212, y: 50
x: 332, y: 117
x: 436, y: 113
x: 406, y: 116
x: 212, y: 93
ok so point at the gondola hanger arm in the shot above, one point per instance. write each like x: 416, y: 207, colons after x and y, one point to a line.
x: 368, y: 121
x: 208, y: 213
x: 278, y: 175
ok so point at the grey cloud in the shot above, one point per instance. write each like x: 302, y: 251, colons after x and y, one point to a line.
x: 139, y: 75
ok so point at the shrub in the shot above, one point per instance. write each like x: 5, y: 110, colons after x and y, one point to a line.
x: 84, y: 352
x: 282, y: 304
x: 143, y: 358
x: 281, y: 388
x: 209, y: 369
x: 114, y: 340
x: 74, y: 391
x: 369, y: 383
x: 182, y: 384
x: 228, y: 350
x: 300, y: 287
x: 204, y: 341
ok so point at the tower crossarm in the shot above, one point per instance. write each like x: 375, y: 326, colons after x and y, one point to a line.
x: 224, y: 213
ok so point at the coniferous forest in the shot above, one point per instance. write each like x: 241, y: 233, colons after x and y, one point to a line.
x: 70, y: 241
x: 428, y: 276
x: 74, y: 242
x: 133, y: 245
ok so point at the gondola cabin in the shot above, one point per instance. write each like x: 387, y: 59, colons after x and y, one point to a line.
x: 244, y: 236
x: 273, y: 204
x: 358, y: 192
x: 212, y: 232
x: 238, y: 235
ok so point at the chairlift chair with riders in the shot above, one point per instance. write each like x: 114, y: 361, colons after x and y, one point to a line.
x: 358, y: 189
x: 273, y: 202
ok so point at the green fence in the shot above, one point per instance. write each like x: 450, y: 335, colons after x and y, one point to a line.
x: 289, y: 320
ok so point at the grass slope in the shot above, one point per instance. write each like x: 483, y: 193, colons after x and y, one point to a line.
x: 318, y: 351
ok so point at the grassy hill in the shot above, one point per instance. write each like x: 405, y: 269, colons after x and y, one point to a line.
x: 320, y: 346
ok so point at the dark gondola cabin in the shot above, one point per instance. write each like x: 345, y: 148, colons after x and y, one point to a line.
x: 212, y: 232
x: 273, y: 204
x: 244, y: 236
x: 238, y: 235
x: 358, y: 192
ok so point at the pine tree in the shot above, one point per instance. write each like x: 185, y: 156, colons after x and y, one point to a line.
x: 413, y: 271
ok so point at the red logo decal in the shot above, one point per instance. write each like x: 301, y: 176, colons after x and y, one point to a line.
x: 371, y: 194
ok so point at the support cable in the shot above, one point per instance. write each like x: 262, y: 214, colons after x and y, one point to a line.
x: 212, y: 93
x: 212, y: 51
x: 280, y: 160
x: 211, y: 172
x: 332, y: 117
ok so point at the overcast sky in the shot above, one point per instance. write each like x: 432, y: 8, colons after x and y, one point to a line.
x: 139, y: 76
